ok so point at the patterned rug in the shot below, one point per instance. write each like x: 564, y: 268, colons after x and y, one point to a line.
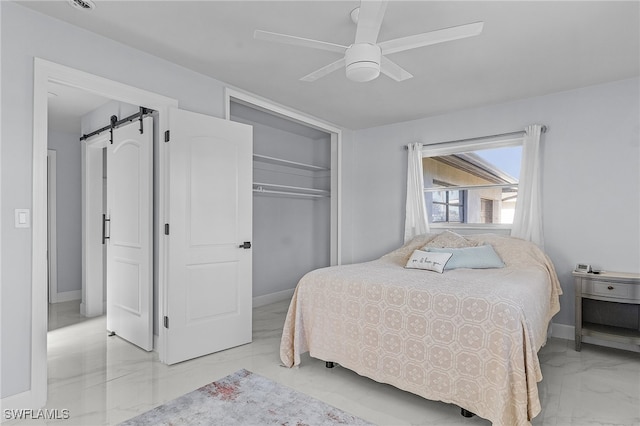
x: 245, y: 398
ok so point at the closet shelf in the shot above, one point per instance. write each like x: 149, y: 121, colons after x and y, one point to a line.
x: 298, y: 191
x: 288, y: 163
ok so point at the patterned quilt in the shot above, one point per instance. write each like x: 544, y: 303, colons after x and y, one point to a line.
x: 468, y: 336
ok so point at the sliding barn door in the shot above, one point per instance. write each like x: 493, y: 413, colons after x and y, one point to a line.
x: 129, y: 228
x: 208, y: 297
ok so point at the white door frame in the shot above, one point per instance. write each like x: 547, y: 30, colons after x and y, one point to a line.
x: 44, y: 73
x: 52, y: 246
x: 232, y: 95
x: 92, y: 208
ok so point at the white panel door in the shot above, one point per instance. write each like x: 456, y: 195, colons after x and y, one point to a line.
x: 129, y: 246
x: 208, y: 298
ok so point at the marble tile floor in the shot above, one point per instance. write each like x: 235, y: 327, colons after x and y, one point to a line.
x: 104, y: 380
x: 64, y: 314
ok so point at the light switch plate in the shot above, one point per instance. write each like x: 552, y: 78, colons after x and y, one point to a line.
x: 23, y: 218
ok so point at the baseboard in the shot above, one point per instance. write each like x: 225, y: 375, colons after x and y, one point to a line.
x: 267, y: 299
x: 83, y: 310
x: 563, y: 331
x: 67, y: 296
x: 19, y: 401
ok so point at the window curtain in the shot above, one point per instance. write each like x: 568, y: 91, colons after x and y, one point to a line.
x: 415, y: 222
x: 527, y: 221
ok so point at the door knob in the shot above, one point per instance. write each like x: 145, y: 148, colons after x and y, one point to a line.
x: 245, y: 245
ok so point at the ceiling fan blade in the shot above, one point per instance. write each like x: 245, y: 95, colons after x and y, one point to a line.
x: 432, y: 37
x: 393, y: 70
x: 369, y: 20
x: 324, y: 71
x: 298, y: 41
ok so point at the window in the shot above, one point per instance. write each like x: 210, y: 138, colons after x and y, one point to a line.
x: 472, y: 187
x: 447, y: 206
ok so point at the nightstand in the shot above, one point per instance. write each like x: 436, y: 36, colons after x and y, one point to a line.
x: 607, y: 307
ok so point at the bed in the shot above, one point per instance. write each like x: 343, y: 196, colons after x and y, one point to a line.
x: 469, y: 337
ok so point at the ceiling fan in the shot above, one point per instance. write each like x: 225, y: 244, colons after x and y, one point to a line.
x: 365, y: 58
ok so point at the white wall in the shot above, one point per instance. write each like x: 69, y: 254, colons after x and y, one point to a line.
x: 69, y: 214
x: 25, y: 35
x: 591, y: 176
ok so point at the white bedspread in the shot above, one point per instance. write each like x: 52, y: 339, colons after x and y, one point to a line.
x: 467, y: 337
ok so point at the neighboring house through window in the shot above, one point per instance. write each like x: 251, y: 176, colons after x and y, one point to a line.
x: 473, y: 186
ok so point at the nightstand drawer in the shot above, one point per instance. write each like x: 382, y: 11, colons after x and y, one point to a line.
x: 610, y: 289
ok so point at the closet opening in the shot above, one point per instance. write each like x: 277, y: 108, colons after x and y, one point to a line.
x: 295, y: 198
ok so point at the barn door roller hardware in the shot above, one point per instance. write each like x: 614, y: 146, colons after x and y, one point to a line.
x: 143, y: 112
x: 115, y: 123
x: 113, y: 120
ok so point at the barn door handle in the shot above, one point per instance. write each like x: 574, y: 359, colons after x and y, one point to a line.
x: 105, y: 237
x: 245, y: 245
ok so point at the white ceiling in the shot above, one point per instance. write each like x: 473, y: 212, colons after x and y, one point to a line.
x: 526, y: 49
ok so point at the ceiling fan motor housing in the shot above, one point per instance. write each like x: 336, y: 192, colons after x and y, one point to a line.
x: 362, y: 61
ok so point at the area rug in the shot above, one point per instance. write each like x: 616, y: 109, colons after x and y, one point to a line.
x: 245, y: 398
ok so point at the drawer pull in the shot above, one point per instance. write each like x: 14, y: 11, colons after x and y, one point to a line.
x: 610, y: 287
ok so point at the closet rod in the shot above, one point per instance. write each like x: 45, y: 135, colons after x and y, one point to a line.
x: 115, y: 122
x: 519, y: 132
x: 297, y: 194
x: 288, y: 188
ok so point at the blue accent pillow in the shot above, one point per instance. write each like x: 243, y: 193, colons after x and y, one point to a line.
x: 480, y: 257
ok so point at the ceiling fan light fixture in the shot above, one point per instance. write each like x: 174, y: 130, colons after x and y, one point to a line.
x: 363, y: 71
x: 362, y: 62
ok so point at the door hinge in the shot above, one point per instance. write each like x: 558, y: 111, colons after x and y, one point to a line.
x: 167, y: 136
x: 166, y: 321
x: 166, y: 229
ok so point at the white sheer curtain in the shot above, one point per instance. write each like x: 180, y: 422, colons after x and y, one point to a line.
x: 415, y: 222
x: 527, y: 221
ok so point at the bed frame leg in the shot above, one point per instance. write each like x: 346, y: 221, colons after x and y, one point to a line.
x: 466, y: 413
x: 329, y: 364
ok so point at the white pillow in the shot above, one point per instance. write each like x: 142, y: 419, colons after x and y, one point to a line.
x: 449, y: 239
x: 430, y: 261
